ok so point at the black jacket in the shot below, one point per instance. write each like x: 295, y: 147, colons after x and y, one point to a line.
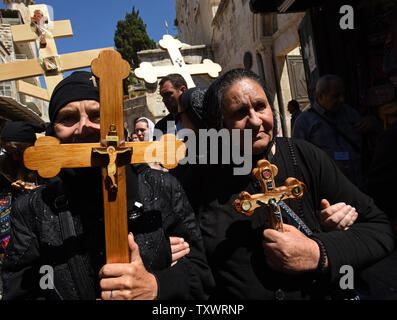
x: 36, y: 239
x: 233, y: 241
x: 162, y: 124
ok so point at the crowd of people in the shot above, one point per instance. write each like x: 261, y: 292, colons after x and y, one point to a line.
x: 186, y: 239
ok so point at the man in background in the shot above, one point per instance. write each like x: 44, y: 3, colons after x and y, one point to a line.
x: 330, y: 125
x: 294, y: 110
x: 171, y: 88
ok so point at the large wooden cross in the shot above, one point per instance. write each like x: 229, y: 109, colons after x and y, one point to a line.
x: 49, y: 64
x: 150, y: 74
x: 112, y: 153
x: 271, y: 195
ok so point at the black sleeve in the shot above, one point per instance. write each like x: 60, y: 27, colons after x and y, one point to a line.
x: 190, y: 277
x: 300, y: 128
x: 20, y: 270
x: 162, y: 125
x: 370, y: 238
x: 382, y: 173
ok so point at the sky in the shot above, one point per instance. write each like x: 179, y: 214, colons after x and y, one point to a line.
x: 94, y: 22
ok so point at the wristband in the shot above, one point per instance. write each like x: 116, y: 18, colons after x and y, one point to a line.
x: 323, y: 256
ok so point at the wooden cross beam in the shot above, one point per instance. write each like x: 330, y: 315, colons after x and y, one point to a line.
x: 112, y: 153
x: 150, y: 74
x: 22, y: 33
x: 49, y: 64
x: 271, y: 195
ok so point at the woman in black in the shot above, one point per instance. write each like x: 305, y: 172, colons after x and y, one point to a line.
x: 68, y: 236
x: 250, y: 261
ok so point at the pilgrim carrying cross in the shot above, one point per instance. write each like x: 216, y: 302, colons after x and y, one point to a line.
x: 48, y: 156
x: 150, y: 74
x: 271, y: 195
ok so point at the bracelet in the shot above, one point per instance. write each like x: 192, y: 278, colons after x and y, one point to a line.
x: 323, y: 256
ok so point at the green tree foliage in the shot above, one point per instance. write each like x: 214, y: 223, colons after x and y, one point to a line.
x: 131, y: 37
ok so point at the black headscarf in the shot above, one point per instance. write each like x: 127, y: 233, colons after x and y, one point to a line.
x: 80, y: 85
x: 212, y: 104
x: 212, y: 111
x: 191, y: 102
x: 21, y: 131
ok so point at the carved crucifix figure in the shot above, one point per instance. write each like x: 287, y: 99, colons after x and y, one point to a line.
x: 112, y: 153
x: 271, y: 195
x: 48, y: 156
x: 150, y: 74
x: 39, y: 22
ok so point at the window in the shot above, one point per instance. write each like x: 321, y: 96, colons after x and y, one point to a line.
x: 6, y: 89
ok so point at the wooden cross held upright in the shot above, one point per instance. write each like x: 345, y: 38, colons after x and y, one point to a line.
x: 271, y: 195
x: 48, y: 156
x: 150, y: 74
x: 49, y: 64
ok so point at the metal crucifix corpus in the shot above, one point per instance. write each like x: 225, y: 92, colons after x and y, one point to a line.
x: 48, y: 156
x: 150, y: 74
x: 271, y: 195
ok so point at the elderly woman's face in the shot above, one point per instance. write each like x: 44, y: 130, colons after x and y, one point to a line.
x: 245, y: 106
x: 78, y: 122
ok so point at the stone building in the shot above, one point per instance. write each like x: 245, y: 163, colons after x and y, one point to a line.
x: 268, y: 44
x: 14, y: 105
x: 15, y: 4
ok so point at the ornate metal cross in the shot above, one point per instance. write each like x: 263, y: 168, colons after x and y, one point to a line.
x: 271, y: 195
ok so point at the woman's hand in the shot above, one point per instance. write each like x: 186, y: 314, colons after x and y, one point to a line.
x: 128, y: 281
x: 339, y: 216
x: 179, y: 248
x: 290, y: 251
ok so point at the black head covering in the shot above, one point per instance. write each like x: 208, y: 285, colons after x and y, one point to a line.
x: 191, y: 102
x: 212, y: 104
x: 212, y: 111
x: 80, y: 85
x: 21, y: 131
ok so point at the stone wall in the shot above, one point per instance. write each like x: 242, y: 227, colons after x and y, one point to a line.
x: 12, y: 4
x: 240, y: 38
x: 6, y: 39
x: 193, y: 15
